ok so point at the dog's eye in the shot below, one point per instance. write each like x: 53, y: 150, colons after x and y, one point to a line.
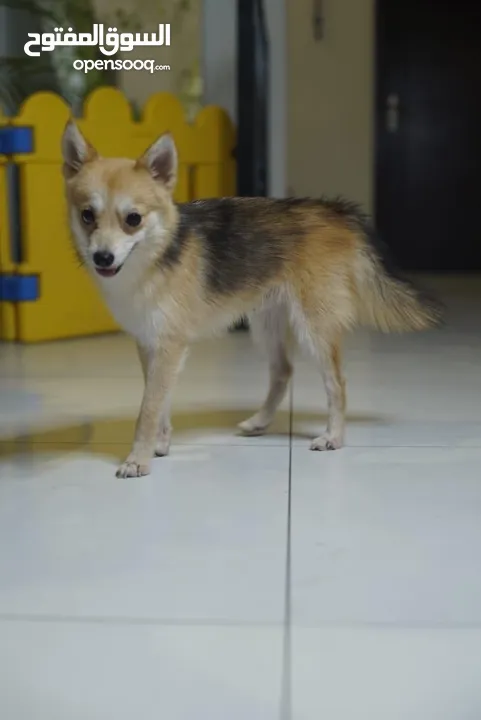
x: 88, y: 216
x: 133, y: 219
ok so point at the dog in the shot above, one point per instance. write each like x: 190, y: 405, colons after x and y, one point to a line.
x: 173, y: 273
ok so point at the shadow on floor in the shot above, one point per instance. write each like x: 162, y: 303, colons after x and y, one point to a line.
x: 110, y: 436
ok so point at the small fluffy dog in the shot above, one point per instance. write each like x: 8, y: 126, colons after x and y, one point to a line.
x: 172, y: 273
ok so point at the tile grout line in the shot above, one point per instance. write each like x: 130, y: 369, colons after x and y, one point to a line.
x: 127, y: 621
x: 286, y: 677
x: 99, y: 443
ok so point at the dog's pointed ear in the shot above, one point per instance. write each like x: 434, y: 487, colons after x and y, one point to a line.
x: 76, y: 151
x: 160, y: 159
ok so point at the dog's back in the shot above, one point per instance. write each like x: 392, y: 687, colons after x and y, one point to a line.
x: 321, y: 256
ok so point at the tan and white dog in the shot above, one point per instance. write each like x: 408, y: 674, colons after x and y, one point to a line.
x: 173, y: 273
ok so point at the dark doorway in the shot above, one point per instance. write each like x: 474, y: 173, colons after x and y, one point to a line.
x: 252, y: 99
x: 428, y: 116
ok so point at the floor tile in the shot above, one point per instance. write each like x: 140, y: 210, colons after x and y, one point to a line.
x: 386, y: 674
x: 55, y: 671
x: 387, y: 535
x: 203, y: 537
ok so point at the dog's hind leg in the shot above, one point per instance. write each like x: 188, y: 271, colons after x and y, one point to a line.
x: 270, y: 329
x: 324, y: 344
x: 329, y: 355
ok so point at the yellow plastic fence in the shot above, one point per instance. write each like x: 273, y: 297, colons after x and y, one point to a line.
x: 69, y: 304
x: 7, y: 310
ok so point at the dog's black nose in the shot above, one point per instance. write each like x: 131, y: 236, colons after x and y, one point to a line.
x: 103, y: 259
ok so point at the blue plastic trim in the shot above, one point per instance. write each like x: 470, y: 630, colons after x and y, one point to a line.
x: 16, y: 140
x: 19, y: 288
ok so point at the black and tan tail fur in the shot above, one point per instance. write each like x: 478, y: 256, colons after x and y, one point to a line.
x: 388, y: 301
x: 393, y: 304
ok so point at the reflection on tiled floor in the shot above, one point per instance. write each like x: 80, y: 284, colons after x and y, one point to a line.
x: 183, y: 594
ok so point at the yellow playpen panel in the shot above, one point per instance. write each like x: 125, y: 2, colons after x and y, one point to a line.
x: 69, y: 303
x: 7, y: 309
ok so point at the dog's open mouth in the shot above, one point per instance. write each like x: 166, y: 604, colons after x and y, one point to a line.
x: 108, y: 272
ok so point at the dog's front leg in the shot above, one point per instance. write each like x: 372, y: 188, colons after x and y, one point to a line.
x: 165, y: 427
x: 161, y: 367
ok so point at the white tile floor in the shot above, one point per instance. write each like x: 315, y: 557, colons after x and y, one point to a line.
x: 168, y: 596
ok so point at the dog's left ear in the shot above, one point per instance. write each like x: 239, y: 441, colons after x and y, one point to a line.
x: 160, y: 159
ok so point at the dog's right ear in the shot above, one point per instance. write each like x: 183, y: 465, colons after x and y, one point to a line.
x: 76, y: 151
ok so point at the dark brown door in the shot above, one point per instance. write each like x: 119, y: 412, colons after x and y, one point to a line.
x: 428, y: 116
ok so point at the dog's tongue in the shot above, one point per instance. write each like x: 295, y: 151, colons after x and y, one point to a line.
x: 106, y: 272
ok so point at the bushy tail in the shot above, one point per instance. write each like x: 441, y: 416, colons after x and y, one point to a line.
x: 385, y: 300
x: 392, y: 304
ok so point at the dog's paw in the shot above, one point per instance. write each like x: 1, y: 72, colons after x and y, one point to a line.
x: 131, y: 468
x: 253, y: 426
x: 327, y: 442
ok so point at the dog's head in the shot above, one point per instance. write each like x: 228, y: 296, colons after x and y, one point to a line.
x: 117, y: 205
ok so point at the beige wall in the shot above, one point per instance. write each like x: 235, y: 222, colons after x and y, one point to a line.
x: 330, y: 99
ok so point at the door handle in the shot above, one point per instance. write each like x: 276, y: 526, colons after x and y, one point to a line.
x: 392, y: 113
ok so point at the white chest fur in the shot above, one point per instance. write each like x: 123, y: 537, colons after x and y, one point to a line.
x: 136, y: 310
